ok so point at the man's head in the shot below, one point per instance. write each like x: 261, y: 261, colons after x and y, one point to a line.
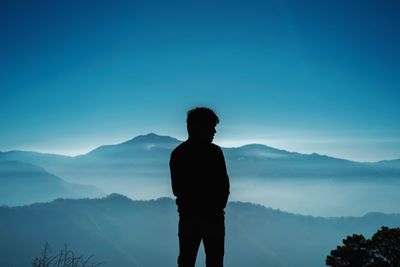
x: 201, y: 122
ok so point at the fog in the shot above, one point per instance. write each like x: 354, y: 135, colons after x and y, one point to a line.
x: 319, y: 197
x: 322, y: 197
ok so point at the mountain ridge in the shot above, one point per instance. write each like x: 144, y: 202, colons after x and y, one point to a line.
x: 139, y: 168
x: 153, y: 137
x: 23, y: 183
x: 124, y: 232
x: 118, y: 197
x: 150, y: 153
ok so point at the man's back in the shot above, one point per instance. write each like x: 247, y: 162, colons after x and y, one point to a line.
x: 199, y: 178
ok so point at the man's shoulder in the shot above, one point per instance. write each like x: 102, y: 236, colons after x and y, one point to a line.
x: 185, y: 147
x: 181, y: 148
x: 216, y: 147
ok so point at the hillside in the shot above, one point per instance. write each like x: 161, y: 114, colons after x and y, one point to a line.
x: 291, y: 181
x: 123, y: 232
x: 24, y: 183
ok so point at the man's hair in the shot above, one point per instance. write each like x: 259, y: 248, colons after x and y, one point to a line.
x: 202, y: 116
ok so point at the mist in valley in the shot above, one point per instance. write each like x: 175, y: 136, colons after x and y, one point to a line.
x: 316, y: 197
x: 328, y: 198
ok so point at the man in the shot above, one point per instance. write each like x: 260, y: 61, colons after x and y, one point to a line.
x: 201, y: 186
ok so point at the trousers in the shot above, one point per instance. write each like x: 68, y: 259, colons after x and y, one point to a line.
x: 193, y: 230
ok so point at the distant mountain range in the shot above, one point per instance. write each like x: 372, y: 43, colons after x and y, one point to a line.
x: 140, y: 165
x: 24, y: 183
x: 123, y: 233
x: 149, y: 154
x: 388, y: 163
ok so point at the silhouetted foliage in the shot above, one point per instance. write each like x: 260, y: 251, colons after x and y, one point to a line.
x: 382, y: 250
x: 66, y: 258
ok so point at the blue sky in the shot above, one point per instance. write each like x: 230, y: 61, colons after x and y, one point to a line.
x: 306, y: 76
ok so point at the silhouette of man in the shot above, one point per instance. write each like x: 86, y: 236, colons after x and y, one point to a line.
x: 201, y: 186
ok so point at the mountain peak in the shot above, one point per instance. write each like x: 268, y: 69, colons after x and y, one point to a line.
x: 146, y: 142
x: 117, y: 198
x: 260, y: 150
x: 152, y: 138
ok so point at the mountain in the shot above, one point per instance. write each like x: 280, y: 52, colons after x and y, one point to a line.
x: 150, y: 142
x: 40, y: 159
x: 388, y: 163
x: 260, y: 161
x: 122, y: 232
x: 24, y: 183
x: 139, y: 168
x: 147, y: 156
x: 144, y: 155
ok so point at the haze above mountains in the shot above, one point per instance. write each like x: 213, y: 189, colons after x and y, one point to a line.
x: 139, y: 169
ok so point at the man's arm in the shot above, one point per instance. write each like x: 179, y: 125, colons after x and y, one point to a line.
x: 175, y: 174
x: 225, y: 186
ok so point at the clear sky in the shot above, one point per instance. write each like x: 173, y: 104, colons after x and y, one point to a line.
x: 306, y: 76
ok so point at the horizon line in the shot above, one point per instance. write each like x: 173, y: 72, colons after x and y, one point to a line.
x: 222, y: 143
